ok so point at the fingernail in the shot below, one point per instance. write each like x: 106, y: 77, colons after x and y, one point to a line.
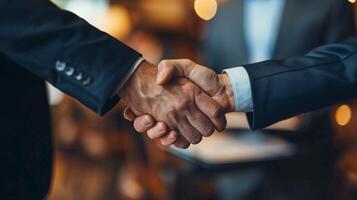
x: 160, y: 128
x: 172, y: 137
x: 146, y: 121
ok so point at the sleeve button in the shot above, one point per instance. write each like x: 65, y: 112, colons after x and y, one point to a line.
x: 69, y: 71
x: 79, y: 76
x: 60, y: 66
x: 87, y: 81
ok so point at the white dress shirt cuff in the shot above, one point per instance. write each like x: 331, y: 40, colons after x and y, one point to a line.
x: 241, y: 89
x: 129, y: 74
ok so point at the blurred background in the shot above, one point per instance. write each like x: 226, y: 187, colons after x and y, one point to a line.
x: 311, y: 156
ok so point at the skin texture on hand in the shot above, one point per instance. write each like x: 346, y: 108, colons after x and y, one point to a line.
x: 217, y: 86
x: 183, y: 108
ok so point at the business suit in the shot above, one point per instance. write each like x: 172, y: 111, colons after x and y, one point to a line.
x: 38, y: 41
x: 283, y: 88
x: 305, y: 24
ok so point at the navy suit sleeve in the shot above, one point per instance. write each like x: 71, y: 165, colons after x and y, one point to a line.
x: 283, y: 88
x: 65, y: 50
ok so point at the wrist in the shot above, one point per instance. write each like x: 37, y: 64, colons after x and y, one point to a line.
x: 228, y: 90
x: 139, y: 79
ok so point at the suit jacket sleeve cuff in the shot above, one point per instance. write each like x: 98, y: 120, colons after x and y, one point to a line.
x: 129, y: 74
x: 241, y: 89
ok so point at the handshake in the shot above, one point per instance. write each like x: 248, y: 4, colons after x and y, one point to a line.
x: 178, y: 102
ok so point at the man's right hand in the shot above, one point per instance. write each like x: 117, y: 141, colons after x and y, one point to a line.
x: 217, y: 86
x: 183, y: 108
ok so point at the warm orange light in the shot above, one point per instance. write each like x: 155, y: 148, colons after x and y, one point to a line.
x: 352, y: 1
x: 343, y: 115
x: 206, y: 9
x: 116, y: 22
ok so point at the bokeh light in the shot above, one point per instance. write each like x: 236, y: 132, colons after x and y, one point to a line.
x: 206, y: 9
x: 116, y: 22
x: 343, y: 115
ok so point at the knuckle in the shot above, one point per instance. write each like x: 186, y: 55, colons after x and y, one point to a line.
x: 163, y: 63
x: 213, y: 77
x: 216, y: 112
x: 190, y: 87
x: 186, y: 61
x: 211, y: 72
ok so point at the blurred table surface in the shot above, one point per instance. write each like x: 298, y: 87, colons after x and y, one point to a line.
x: 236, y: 147
x: 239, y: 145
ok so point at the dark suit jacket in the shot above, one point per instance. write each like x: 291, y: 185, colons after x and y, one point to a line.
x: 283, y: 88
x: 38, y: 41
x: 305, y: 24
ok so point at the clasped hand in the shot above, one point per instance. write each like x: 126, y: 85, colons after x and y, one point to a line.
x: 177, y: 103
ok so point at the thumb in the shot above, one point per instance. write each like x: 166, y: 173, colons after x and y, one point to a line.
x: 203, y: 77
x: 167, y: 69
x: 129, y: 115
x: 165, y: 74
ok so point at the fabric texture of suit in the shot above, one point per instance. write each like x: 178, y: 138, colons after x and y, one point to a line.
x: 283, y: 88
x: 39, y: 41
